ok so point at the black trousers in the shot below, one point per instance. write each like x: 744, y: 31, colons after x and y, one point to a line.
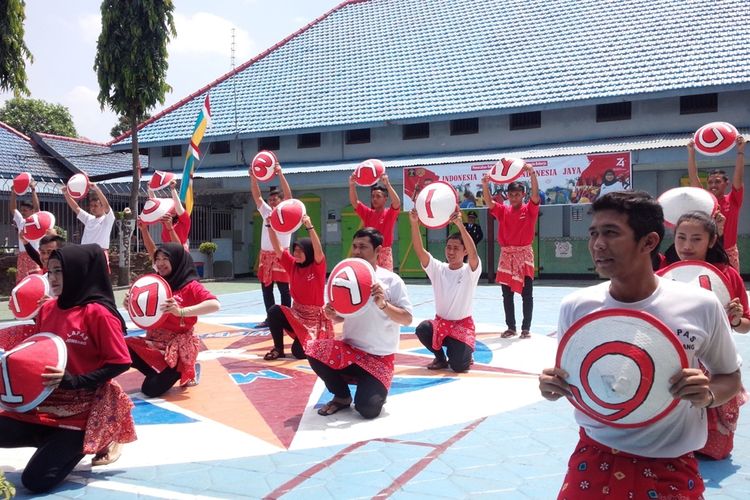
x: 268, y: 298
x: 459, y: 354
x: 277, y: 323
x: 155, y: 384
x: 527, y: 299
x: 371, y: 393
x: 58, y: 451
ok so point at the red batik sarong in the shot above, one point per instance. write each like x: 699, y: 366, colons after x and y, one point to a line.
x: 596, y: 471
x: 338, y: 355
x: 513, y: 265
x: 462, y: 330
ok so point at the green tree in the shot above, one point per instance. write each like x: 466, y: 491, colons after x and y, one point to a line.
x: 123, y: 125
x: 131, y: 66
x: 36, y: 115
x: 13, y: 50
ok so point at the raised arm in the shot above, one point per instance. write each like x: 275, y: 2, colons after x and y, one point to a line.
x: 488, y: 201
x: 178, y: 208
x: 12, y: 204
x: 34, y: 196
x: 274, y: 240
x: 738, y: 179
x: 69, y: 199
x: 695, y: 181
x: 282, y: 181
x: 148, y: 241
x: 166, y: 221
x: 416, y: 239
x: 534, y: 183
x: 395, y: 200
x: 471, y: 248
x: 353, y: 199
x: 255, y: 191
x: 318, y: 253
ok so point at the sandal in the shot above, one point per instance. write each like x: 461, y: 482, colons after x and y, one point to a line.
x: 274, y: 354
x: 333, y: 406
x: 438, y: 364
x: 508, y: 334
x: 525, y: 334
x: 107, y: 455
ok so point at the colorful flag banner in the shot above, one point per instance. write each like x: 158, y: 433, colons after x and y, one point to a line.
x: 193, y: 156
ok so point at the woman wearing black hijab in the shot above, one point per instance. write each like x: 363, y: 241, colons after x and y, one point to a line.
x: 306, y: 266
x: 87, y: 412
x: 169, y: 353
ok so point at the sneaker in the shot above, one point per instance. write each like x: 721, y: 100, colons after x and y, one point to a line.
x: 261, y: 325
x: 197, y: 379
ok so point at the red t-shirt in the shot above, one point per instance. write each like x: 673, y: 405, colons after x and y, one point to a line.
x: 189, y: 295
x: 181, y: 227
x: 736, y: 286
x: 729, y: 206
x: 92, y: 334
x: 383, y: 220
x: 516, y: 227
x: 306, y: 284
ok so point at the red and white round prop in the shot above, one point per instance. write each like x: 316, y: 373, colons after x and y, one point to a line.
x: 36, y: 225
x: 369, y: 172
x: 286, y: 217
x: 619, y: 362
x: 78, y: 186
x: 21, y: 384
x: 156, y: 208
x: 699, y: 273
x: 506, y: 170
x: 25, y: 297
x: 160, y: 180
x: 436, y: 203
x: 22, y: 183
x: 678, y: 201
x: 715, y: 138
x: 145, y: 299
x: 349, y: 286
x: 262, y: 166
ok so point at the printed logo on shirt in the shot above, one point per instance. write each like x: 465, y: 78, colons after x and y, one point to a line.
x: 687, y: 339
x: 77, y: 337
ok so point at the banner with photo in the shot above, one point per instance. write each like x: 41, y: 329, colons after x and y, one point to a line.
x: 563, y: 180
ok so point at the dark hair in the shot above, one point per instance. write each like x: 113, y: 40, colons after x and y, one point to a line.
x: 25, y: 204
x: 714, y: 254
x: 720, y: 172
x: 275, y: 192
x: 377, y: 187
x: 516, y: 186
x: 305, y: 244
x: 93, y: 197
x: 49, y: 238
x: 375, y: 236
x: 457, y: 237
x: 645, y: 215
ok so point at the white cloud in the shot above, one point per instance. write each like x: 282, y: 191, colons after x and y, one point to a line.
x: 90, y: 26
x: 204, y: 33
x: 89, y: 119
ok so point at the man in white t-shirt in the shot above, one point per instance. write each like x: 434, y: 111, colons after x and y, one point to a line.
x: 656, y: 460
x: 98, y: 221
x: 453, y: 283
x: 25, y: 265
x: 270, y: 270
x: 365, y: 352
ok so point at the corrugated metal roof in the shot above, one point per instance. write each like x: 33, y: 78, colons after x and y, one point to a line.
x: 18, y: 154
x: 96, y: 159
x: 374, y: 61
x: 637, y: 143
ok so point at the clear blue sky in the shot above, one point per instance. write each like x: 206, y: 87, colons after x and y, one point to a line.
x: 62, y: 38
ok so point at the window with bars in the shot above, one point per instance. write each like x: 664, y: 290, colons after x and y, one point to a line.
x: 701, y: 103
x: 269, y: 143
x: 357, y: 136
x: 219, y: 147
x: 613, y: 111
x: 465, y: 126
x: 522, y: 121
x: 172, y: 151
x: 415, y: 131
x: 311, y: 140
